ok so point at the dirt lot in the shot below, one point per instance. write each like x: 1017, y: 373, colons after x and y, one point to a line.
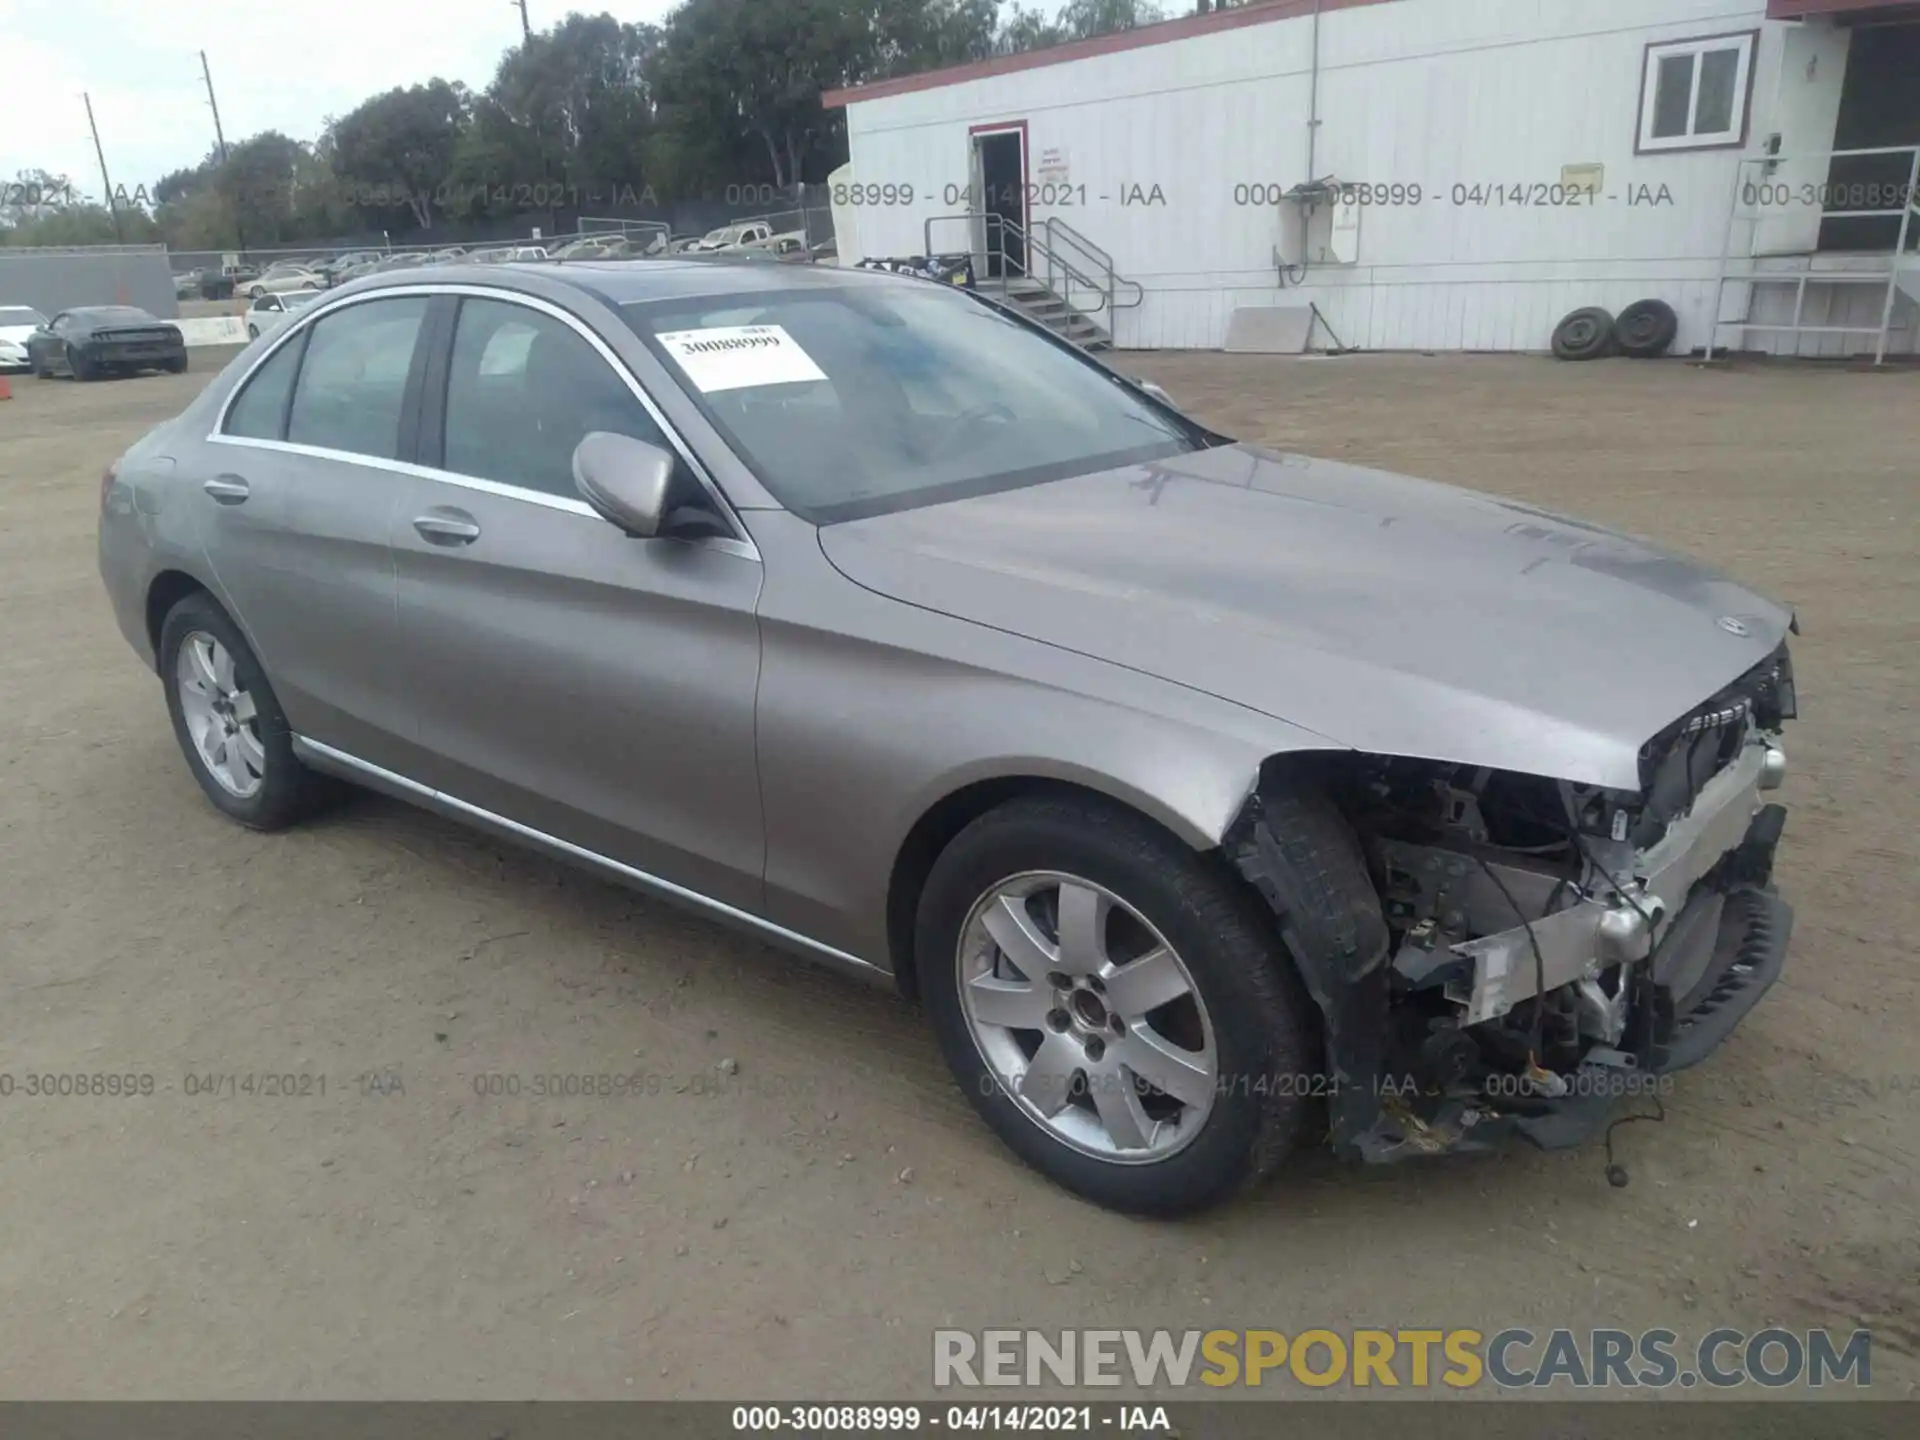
x: 797, y: 1228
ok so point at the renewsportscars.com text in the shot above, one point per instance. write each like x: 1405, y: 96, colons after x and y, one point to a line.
x: 1459, y: 1359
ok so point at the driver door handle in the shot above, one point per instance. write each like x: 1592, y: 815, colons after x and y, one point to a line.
x: 227, y: 489
x: 444, y: 525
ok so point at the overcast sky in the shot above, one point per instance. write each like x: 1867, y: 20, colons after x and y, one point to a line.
x: 277, y: 65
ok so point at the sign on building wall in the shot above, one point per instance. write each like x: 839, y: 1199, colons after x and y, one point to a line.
x: 1053, y: 168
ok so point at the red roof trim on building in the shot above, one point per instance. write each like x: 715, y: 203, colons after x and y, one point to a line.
x: 1165, y: 31
x: 1801, y: 9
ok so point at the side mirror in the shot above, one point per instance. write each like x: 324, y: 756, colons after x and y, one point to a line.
x: 626, y: 480
x: 1156, y: 392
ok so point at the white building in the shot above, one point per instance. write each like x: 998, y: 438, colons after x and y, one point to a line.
x: 1490, y: 166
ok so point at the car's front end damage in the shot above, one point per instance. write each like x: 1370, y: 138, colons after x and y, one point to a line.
x: 1548, y: 947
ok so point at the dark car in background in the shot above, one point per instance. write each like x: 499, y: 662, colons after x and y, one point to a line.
x: 101, y: 340
x: 218, y: 282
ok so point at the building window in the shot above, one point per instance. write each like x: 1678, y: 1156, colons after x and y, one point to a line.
x: 1694, y: 95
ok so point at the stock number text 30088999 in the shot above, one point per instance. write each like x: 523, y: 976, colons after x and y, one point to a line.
x: 875, y: 193
x: 1394, y: 194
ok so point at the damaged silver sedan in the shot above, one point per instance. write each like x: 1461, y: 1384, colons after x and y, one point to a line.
x: 1213, y: 800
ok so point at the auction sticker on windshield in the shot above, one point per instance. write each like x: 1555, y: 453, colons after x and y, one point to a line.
x: 733, y: 357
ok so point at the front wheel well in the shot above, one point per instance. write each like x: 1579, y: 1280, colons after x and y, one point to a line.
x: 168, y: 589
x: 936, y: 829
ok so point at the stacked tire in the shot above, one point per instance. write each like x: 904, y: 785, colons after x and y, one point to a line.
x: 1644, y: 330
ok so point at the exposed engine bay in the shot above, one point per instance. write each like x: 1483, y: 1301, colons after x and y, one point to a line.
x: 1550, y: 948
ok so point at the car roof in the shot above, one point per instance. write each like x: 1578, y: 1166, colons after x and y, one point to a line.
x: 630, y: 282
x: 104, y: 312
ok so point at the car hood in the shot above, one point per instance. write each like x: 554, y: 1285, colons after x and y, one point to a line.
x: 16, y: 333
x: 1383, y: 613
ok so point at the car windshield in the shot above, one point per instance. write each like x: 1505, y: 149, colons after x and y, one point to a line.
x: 862, y: 400
x: 19, y: 315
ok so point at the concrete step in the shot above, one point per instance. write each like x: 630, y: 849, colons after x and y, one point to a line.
x: 1044, y: 307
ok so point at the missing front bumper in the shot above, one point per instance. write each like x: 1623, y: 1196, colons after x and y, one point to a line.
x: 1595, y: 933
x: 1701, y: 981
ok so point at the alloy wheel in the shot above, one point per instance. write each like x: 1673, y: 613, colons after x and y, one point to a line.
x: 1087, y: 1017
x: 222, y: 718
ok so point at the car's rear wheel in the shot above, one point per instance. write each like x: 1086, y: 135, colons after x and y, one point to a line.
x: 229, y: 723
x: 1115, y: 1006
x: 79, y: 366
x: 177, y: 365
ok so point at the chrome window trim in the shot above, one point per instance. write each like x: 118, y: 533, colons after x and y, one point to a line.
x: 563, y: 503
x: 309, y: 749
x: 740, y: 543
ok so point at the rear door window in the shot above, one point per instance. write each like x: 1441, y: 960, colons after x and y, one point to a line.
x: 353, y: 384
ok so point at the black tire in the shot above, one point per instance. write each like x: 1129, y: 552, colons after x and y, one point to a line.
x: 1646, y: 329
x: 1585, y: 334
x: 289, y: 792
x: 79, y: 366
x: 1264, y: 1029
x: 177, y: 365
x: 253, y: 332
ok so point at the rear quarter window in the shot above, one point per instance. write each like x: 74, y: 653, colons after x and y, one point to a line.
x: 259, y: 411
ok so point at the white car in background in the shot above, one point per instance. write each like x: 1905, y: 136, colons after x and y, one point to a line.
x: 269, y: 312
x: 17, y: 322
x: 285, y: 278
x: 734, y: 237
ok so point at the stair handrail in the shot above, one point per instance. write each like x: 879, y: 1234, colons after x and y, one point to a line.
x: 1099, y: 259
x: 996, y: 229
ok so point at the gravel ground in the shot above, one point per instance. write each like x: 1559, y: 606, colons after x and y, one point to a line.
x: 799, y: 1195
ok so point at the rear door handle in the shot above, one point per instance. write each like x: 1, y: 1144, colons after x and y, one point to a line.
x: 444, y: 525
x: 227, y: 489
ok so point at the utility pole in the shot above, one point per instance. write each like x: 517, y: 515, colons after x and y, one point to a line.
x: 105, y: 179
x: 546, y: 174
x: 219, y: 135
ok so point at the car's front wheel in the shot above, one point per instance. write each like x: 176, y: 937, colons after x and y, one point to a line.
x: 79, y: 366
x: 1115, y: 1005
x: 229, y: 723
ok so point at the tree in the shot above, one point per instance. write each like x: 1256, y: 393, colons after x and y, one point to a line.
x: 723, y: 94
x: 257, y: 182
x: 1026, y: 29
x: 753, y: 69
x: 913, y: 35
x: 396, y: 151
x: 571, y: 111
x: 34, y: 195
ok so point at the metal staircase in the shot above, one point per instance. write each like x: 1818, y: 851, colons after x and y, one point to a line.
x: 1050, y: 272
x: 1883, y: 284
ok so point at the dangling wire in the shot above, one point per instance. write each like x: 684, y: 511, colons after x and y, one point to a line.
x: 1616, y: 1173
